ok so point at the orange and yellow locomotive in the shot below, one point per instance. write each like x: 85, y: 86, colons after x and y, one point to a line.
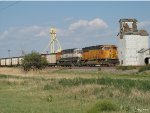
x: 100, y: 55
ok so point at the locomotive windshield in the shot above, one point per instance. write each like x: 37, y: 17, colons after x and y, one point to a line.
x: 106, y: 48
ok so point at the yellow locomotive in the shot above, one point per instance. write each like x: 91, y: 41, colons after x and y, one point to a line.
x: 100, y: 55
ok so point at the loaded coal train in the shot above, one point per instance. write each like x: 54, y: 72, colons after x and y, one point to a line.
x: 101, y: 55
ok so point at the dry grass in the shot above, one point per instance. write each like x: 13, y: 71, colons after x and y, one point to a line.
x: 84, y: 90
x: 12, y: 81
x: 47, y: 73
x: 10, y: 71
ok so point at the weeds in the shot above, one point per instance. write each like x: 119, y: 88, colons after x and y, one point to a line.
x: 122, y: 84
x: 126, y: 67
x: 51, y: 87
x: 48, y: 87
x: 104, y: 105
x: 144, y: 68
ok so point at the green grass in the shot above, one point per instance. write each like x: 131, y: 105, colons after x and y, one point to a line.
x: 144, y: 68
x: 126, y: 67
x: 123, y: 84
x: 97, y: 74
x: 102, y: 106
x: 102, y: 92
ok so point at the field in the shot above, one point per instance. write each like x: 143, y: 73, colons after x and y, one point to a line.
x: 65, y: 90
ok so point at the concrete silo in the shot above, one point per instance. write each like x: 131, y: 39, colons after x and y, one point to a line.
x: 133, y: 44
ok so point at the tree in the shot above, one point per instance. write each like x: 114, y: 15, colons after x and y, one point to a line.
x: 34, y: 61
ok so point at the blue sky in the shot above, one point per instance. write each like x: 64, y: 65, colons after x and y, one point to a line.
x: 25, y: 25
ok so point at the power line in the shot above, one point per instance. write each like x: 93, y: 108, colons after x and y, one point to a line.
x: 10, y: 5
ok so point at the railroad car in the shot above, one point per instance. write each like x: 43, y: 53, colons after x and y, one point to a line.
x: 2, y: 62
x: 51, y: 59
x: 100, y: 55
x: 69, y: 57
x: 58, y: 56
x: 13, y: 61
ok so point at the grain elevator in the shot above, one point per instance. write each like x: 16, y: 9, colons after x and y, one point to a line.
x: 133, y: 48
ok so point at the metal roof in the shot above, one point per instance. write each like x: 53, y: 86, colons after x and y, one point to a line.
x: 127, y: 20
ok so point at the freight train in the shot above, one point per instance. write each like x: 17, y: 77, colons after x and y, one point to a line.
x: 102, y: 55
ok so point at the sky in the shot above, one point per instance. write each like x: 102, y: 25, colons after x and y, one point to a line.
x: 25, y: 25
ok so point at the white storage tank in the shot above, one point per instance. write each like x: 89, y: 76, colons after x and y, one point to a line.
x: 132, y: 43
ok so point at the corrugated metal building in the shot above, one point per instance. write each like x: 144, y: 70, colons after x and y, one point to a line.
x: 133, y: 43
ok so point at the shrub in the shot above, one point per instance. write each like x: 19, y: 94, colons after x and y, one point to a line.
x: 33, y: 61
x: 104, y: 105
x: 99, y: 69
x: 51, y: 87
x: 48, y: 87
x: 144, y: 68
x: 70, y: 82
x: 125, y: 67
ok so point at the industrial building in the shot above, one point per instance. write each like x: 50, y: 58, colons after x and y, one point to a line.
x: 133, y: 46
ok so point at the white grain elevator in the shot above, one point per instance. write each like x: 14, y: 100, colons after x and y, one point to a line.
x: 133, y: 44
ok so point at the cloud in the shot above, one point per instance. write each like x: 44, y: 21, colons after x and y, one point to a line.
x: 30, y: 29
x: 78, y: 28
x: 25, y: 32
x: 42, y: 34
x: 26, y: 37
x: 37, y: 31
x: 7, y: 33
x: 83, y: 29
x: 4, y: 34
x: 96, y: 23
x: 82, y: 33
x: 78, y: 24
x: 78, y: 34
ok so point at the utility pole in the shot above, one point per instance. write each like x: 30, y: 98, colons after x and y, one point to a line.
x: 9, y: 53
